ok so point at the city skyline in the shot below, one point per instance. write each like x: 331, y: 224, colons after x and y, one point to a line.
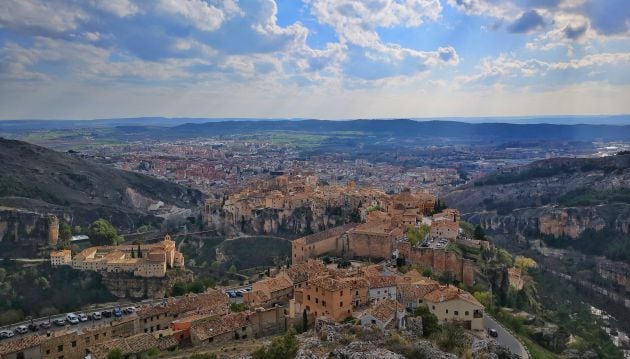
x: 328, y: 59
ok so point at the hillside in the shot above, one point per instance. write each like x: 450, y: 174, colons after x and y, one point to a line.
x: 579, y: 202
x: 37, y: 179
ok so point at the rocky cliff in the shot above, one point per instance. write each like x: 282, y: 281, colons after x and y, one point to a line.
x: 574, y: 198
x: 124, y: 285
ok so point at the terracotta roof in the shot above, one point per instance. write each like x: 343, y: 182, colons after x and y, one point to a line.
x: 382, y: 281
x: 29, y: 341
x: 220, y: 325
x: 330, y: 284
x: 301, y: 272
x: 134, y: 344
x: 331, y: 232
x: 273, y: 284
x: 447, y: 293
x: 385, y: 310
x: 211, y: 299
x: 412, y: 292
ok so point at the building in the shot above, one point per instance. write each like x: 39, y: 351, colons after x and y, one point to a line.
x: 270, y: 291
x: 61, y: 258
x: 451, y: 304
x: 386, y: 314
x: 329, y: 241
x: 22, y: 348
x: 144, y: 260
x: 382, y: 286
x: 412, y: 290
x: 327, y: 297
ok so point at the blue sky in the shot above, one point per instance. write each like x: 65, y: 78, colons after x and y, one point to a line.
x: 330, y: 59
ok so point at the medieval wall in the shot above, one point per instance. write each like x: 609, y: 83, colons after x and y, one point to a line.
x: 370, y: 245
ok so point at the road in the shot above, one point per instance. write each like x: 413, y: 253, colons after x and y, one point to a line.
x: 505, y: 338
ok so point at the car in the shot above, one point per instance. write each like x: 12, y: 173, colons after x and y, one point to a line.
x: 106, y: 313
x: 6, y: 334
x: 22, y: 329
x: 493, y: 332
x: 118, y: 313
x: 44, y: 325
x: 95, y: 316
x: 83, y: 317
x: 33, y: 327
x: 130, y: 310
x: 60, y: 322
x: 72, y: 318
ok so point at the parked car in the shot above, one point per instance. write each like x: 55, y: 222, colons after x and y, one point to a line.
x: 106, y: 313
x: 44, y: 325
x: 493, y: 332
x: 33, y: 327
x: 130, y: 310
x: 60, y: 322
x: 22, y: 329
x: 6, y: 334
x: 118, y: 313
x: 72, y: 318
x: 95, y: 316
x: 83, y: 317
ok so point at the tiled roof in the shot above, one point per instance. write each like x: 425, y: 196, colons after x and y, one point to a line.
x: 412, y: 292
x: 134, y: 344
x: 330, y: 284
x: 220, y: 325
x: 186, y: 303
x: 29, y: 341
x: 382, y: 281
x: 385, y: 310
x: 331, y: 232
x: 301, y: 272
x: 447, y: 293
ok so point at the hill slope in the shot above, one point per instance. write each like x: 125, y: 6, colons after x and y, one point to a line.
x: 39, y: 179
x: 578, y: 202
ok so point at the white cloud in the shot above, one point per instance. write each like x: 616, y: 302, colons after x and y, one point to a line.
x: 39, y: 15
x: 202, y: 15
x: 119, y: 8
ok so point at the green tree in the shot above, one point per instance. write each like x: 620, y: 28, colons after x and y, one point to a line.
x: 139, y: 254
x: 232, y: 269
x: 204, y: 356
x: 237, y: 307
x: 76, y: 230
x: 479, y: 233
x: 179, y: 288
x: 429, y: 320
x: 484, y: 298
x: 65, y: 235
x: 115, y: 353
x: 415, y: 235
x: 504, y: 257
x: 284, y: 347
x: 103, y: 233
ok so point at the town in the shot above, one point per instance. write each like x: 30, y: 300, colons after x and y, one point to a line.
x: 400, y: 256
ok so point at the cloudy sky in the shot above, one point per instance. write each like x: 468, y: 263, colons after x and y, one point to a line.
x: 313, y: 58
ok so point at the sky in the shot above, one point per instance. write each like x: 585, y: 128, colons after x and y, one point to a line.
x: 328, y: 59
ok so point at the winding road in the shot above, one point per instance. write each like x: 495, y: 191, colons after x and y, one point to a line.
x: 505, y: 338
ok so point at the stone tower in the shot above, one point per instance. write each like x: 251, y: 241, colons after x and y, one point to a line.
x: 53, y: 229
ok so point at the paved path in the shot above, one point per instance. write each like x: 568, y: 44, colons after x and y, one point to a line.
x: 505, y: 338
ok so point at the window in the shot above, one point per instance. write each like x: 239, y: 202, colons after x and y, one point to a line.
x: 466, y: 313
x: 74, y: 343
x: 456, y: 313
x: 316, y: 300
x: 447, y: 311
x: 324, y: 303
x: 243, y: 329
x: 60, y: 348
x: 95, y: 336
x: 357, y: 293
x: 308, y: 297
x: 47, y: 351
x: 373, y: 321
x: 20, y: 355
x: 433, y: 307
x: 340, y: 304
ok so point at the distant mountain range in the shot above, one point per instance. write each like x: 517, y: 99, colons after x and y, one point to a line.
x: 35, y: 124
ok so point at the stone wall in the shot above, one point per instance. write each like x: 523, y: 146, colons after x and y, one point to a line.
x: 125, y: 285
x: 370, y: 245
x: 439, y: 260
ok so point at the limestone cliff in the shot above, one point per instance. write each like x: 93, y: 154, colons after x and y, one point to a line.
x: 124, y: 285
x: 557, y: 197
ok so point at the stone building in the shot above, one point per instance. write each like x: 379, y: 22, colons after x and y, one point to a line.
x: 144, y: 260
x: 326, y: 297
x: 451, y: 304
x: 60, y: 258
